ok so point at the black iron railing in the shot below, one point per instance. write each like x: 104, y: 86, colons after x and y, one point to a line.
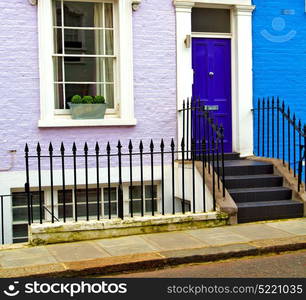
x: 131, y: 158
x: 203, y: 135
x: 2, y: 199
x: 278, y: 134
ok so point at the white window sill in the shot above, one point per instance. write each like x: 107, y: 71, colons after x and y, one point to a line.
x: 56, y: 122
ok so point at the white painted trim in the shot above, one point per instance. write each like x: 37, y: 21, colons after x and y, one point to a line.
x: 211, y: 35
x: 242, y: 81
x: 61, y: 122
x: 212, y: 2
x: 123, y: 41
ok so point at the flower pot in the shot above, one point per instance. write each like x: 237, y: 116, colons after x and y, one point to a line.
x: 87, y: 111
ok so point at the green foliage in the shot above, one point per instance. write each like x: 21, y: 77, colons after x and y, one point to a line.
x: 99, y: 100
x: 87, y: 100
x: 76, y: 99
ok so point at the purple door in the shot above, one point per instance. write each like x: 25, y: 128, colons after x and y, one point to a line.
x: 211, y: 63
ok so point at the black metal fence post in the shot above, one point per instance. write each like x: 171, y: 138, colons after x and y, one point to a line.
x: 268, y: 127
x: 97, y: 150
x: 62, y: 150
x: 273, y: 124
x: 51, y: 181
x: 38, y: 149
x: 108, y: 151
x: 2, y: 222
x: 74, y: 152
x: 263, y: 127
x: 120, y: 191
x: 173, y: 176
x: 187, y: 111
x: 131, y: 177
x: 86, y: 181
x: 183, y: 175
x: 152, y: 175
x: 294, y: 145
x: 27, y: 184
x: 203, y: 173
x: 141, y: 177
x: 283, y: 126
x: 258, y: 130
x: 304, y: 133
x: 162, y: 147
x: 193, y: 182
x: 213, y: 173
x: 289, y: 139
x: 222, y: 159
x: 278, y: 131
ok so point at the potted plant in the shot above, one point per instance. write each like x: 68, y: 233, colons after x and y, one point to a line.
x: 87, y: 107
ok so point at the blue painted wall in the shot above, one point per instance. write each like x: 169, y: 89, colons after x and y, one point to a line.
x: 279, y: 39
x: 279, y: 58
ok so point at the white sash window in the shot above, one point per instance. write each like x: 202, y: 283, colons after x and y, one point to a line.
x: 86, y: 50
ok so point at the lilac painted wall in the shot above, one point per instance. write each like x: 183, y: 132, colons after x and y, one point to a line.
x: 154, y: 82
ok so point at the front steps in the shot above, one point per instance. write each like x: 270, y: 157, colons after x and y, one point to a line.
x: 258, y: 193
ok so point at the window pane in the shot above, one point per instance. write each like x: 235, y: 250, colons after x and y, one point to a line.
x: 80, y: 41
x: 20, y: 199
x: 58, y: 46
x: 20, y: 230
x: 59, y: 97
x: 211, y: 20
x: 113, y: 194
x: 135, y: 191
x: 149, y: 205
x: 82, y: 14
x: 108, y: 7
x: 68, y: 196
x: 113, y: 208
x: 69, y: 211
x: 92, y: 195
x: 148, y: 189
x: 58, y: 73
x: 87, y: 14
x: 109, y: 69
x: 57, y: 14
x: 86, y: 69
x: 136, y: 206
x: 21, y: 214
x: 79, y: 89
x: 109, y: 95
x: 109, y: 42
x: 92, y: 210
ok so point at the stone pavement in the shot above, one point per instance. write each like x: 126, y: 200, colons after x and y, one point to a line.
x: 152, y: 250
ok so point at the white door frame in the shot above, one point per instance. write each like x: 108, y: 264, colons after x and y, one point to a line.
x: 242, y: 74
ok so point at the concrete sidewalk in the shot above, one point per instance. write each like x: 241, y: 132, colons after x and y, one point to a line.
x: 148, y: 251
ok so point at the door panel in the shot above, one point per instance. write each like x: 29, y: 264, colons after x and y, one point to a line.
x: 211, y: 62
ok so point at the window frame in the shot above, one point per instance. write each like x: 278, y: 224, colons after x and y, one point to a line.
x: 124, y: 116
x: 145, y: 199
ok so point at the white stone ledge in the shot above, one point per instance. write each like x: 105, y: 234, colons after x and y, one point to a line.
x: 60, y: 232
x: 86, y: 123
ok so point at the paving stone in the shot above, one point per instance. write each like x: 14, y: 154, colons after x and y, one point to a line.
x: 297, y: 227
x: 76, y: 251
x: 126, y: 245
x: 26, y: 257
x: 218, y: 236
x: 173, y: 240
x: 259, y: 231
x: 32, y: 270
